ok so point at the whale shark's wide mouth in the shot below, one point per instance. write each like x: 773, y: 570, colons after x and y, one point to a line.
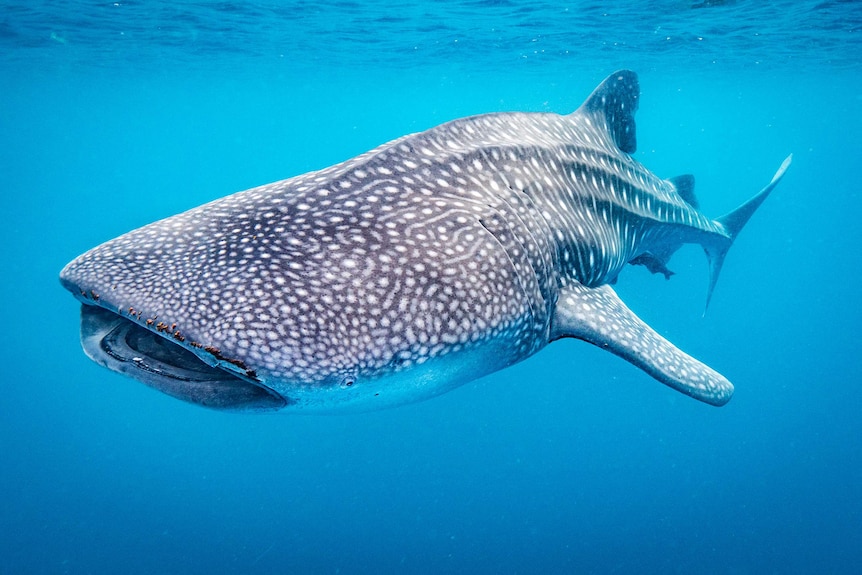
x: 123, y: 346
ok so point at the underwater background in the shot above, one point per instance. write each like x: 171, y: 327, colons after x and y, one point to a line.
x: 115, y: 114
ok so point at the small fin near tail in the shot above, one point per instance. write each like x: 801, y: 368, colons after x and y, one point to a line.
x: 684, y: 185
x: 733, y: 223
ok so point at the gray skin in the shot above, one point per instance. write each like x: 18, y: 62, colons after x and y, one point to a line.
x: 402, y: 273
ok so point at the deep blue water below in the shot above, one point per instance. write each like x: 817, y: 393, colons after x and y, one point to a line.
x: 113, y: 115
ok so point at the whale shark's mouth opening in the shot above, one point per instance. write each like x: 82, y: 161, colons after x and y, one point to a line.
x: 123, y: 346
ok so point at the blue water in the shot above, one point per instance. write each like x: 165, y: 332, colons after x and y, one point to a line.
x: 113, y: 115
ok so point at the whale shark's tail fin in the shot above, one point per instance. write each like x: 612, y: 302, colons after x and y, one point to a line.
x: 733, y: 223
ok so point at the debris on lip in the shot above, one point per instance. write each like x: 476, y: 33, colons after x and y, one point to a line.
x: 216, y: 353
x: 89, y: 295
x: 172, y: 331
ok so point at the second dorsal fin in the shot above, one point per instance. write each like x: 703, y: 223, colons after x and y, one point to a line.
x: 684, y: 185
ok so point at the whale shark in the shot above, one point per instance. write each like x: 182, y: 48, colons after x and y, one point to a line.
x: 400, y: 274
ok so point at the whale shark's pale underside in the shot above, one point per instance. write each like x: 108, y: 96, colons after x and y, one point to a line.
x: 397, y: 275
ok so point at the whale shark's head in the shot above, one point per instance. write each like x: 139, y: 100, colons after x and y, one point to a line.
x: 343, y: 292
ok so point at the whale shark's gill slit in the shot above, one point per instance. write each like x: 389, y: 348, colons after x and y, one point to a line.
x: 128, y: 348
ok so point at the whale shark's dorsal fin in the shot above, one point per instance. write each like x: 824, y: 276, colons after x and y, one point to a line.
x: 684, y: 185
x: 615, y: 102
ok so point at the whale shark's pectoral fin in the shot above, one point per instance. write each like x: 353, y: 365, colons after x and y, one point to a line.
x: 599, y: 316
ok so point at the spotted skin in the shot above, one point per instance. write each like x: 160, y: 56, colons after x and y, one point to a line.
x: 394, y: 276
